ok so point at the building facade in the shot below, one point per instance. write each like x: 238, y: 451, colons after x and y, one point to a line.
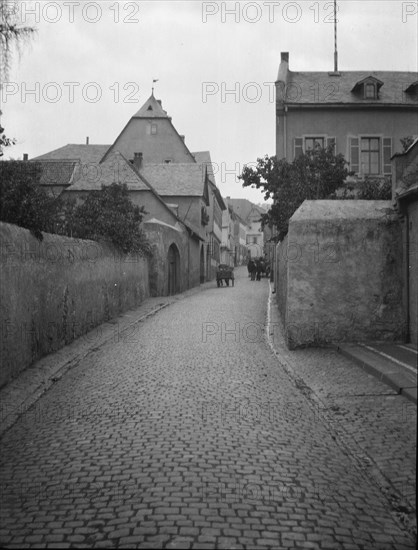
x: 364, y: 115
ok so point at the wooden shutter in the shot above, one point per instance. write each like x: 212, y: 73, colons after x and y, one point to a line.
x: 298, y: 147
x: 354, y: 154
x: 331, y: 141
x: 387, y: 153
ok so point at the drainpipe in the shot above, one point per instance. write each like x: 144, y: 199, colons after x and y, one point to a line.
x: 285, y: 133
x: 406, y: 263
x: 188, y: 259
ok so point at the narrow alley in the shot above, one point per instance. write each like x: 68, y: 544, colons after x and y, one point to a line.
x: 187, y: 432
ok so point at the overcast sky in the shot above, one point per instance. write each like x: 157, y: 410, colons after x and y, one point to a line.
x: 198, y: 51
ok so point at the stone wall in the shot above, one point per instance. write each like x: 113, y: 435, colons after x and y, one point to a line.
x: 57, y: 290
x: 281, y: 277
x: 344, y: 274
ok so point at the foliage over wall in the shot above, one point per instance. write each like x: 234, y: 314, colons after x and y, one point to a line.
x: 106, y: 214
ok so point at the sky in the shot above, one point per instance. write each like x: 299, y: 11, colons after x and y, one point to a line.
x: 91, y: 66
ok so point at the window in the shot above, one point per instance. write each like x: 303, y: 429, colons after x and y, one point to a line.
x: 370, y: 156
x: 369, y: 91
x: 309, y: 143
x: 312, y: 143
x: 153, y: 129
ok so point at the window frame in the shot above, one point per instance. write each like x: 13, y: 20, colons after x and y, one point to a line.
x: 372, y: 86
x: 325, y: 137
x: 384, y: 142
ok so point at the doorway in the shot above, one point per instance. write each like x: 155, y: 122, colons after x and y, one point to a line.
x: 173, y: 259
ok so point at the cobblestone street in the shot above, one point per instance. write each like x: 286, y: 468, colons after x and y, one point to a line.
x: 193, y: 429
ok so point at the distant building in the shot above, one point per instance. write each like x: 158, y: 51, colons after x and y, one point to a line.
x: 250, y: 214
x: 184, y: 206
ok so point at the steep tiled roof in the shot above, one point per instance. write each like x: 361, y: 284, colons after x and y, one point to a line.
x: 203, y: 157
x: 326, y: 88
x: 186, y: 179
x: 81, y: 152
x: 115, y: 169
x: 152, y: 108
x: 243, y: 208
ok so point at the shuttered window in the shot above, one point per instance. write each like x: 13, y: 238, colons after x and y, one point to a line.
x: 354, y: 154
x: 370, y: 155
x: 387, y: 153
x: 298, y: 147
x: 303, y: 144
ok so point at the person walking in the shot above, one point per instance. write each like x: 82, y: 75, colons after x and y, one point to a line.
x: 252, y: 269
x: 259, y: 268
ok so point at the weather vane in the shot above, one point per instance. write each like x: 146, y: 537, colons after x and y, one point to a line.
x: 153, y: 82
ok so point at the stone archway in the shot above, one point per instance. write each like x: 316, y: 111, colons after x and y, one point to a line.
x: 173, y: 261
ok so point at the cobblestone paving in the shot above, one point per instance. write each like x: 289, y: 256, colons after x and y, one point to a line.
x: 187, y: 433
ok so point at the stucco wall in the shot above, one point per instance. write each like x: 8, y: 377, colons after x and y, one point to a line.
x: 189, y: 211
x: 162, y: 237
x: 165, y: 144
x: 281, y: 277
x: 344, y: 122
x: 56, y: 290
x: 344, y: 273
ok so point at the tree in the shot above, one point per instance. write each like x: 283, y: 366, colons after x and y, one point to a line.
x: 12, y: 35
x: 110, y: 214
x: 314, y: 175
x: 406, y: 142
x: 23, y: 202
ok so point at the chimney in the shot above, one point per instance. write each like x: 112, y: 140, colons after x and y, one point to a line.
x: 25, y: 156
x: 159, y: 101
x: 183, y: 137
x: 137, y: 161
x: 87, y: 140
x: 285, y: 56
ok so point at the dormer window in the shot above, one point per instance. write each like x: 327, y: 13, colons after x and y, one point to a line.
x: 368, y: 88
x: 412, y: 88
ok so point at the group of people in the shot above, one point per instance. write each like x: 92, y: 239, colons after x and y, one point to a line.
x: 256, y: 267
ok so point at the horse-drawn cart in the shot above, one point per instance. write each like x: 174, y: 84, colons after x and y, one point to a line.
x: 224, y: 273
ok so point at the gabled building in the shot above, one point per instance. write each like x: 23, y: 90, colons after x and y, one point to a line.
x: 151, y: 132
x: 162, y: 175
x: 177, y: 243
x: 251, y: 215
x: 363, y: 114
